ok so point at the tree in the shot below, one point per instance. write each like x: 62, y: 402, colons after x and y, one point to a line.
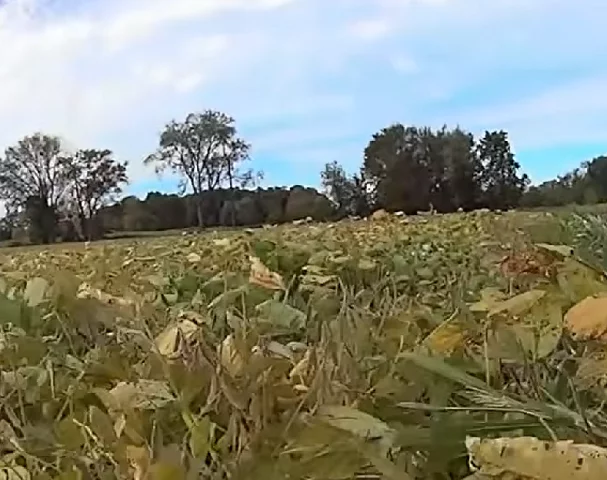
x: 235, y: 151
x: 596, y: 172
x: 463, y: 169
x: 96, y: 177
x: 202, y: 150
x: 395, y: 168
x: 348, y: 193
x: 414, y: 168
x: 33, y: 180
x: 502, y: 185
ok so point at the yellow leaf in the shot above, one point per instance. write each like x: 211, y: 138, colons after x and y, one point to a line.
x: 229, y: 356
x: 447, y: 337
x: 490, y: 297
x: 263, y: 276
x: 139, y: 458
x: 14, y: 472
x: 222, y: 242
x: 531, y: 458
x: 588, y: 319
x: 167, y: 341
x: 145, y: 394
x: 561, y: 251
x: 193, y: 257
x: 35, y: 291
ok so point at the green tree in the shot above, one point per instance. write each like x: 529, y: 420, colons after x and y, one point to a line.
x: 396, y: 168
x: 96, y: 177
x: 503, y: 186
x: 33, y: 181
x: 413, y: 168
x: 348, y: 193
x: 201, y: 150
x: 596, y: 172
x: 463, y: 169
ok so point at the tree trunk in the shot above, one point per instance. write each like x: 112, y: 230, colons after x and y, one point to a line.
x: 199, y: 212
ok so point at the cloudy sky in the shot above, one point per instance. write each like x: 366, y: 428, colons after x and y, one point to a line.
x: 308, y: 81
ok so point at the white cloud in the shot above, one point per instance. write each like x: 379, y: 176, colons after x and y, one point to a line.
x: 110, y: 73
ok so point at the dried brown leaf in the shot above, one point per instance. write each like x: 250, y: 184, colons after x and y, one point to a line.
x: 528, y: 458
x: 262, y: 276
x: 588, y: 319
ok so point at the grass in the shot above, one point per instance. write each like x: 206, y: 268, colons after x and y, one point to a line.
x: 348, y: 350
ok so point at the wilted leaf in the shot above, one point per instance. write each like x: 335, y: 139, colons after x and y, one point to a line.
x: 145, y: 394
x: 193, y: 257
x: 517, y: 305
x: 139, y: 458
x: 561, y: 251
x: 490, y: 297
x: 35, y: 291
x: 231, y: 359
x: 222, y: 242
x: 167, y: 341
x: 263, y: 276
x: 530, y: 458
x: 14, y: 472
x: 591, y: 372
x: 366, y: 264
x: 358, y: 423
x: 447, y: 337
x: 588, y: 319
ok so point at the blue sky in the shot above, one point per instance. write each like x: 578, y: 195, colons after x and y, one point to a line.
x: 308, y: 81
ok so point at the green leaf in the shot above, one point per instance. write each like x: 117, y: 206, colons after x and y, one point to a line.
x: 443, y: 369
x: 519, y: 304
x: 102, y: 425
x: 167, y: 471
x: 10, y: 310
x: 282, y: 315
x: 227, y: 298
x: 333, y: 465
x: 69, y: 434
x: 359, y: 424
x: 200, y: 438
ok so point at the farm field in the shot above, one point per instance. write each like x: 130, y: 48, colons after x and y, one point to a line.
x: 428, y: 347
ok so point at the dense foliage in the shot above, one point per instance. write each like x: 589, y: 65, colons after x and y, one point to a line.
x: 350, y: 350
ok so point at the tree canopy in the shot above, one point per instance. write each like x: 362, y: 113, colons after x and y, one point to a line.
x: 41, y: 182
x: 204, y: 150
x: 50, y: 193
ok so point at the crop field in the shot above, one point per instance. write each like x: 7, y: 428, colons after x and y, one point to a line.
x: 427, y: 347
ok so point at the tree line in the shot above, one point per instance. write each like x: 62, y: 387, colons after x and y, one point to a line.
x: 51, y: 194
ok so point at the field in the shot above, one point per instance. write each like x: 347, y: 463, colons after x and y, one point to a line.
x: 427, y: 347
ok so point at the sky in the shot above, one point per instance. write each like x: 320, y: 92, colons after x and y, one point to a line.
x: 307, y: 81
